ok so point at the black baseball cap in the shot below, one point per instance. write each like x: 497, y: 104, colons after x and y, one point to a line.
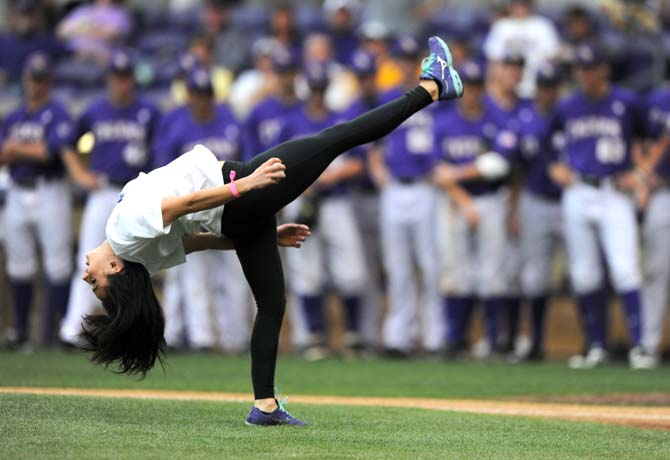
x: 121, y: 63
x: 548, y: 75
x: 587, y: 56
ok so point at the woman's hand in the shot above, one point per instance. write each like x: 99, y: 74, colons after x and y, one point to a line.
x: 561, y: 174
x: 270, y: 172
x: 292, y: 235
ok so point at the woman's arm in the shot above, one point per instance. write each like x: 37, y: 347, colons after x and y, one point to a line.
x: 288, y: 235
x: 270, y: 172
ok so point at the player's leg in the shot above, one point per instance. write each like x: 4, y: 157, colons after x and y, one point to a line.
x: 82, y: 301
x: 619, y: 236
x: 538, y: 221
x: 456, y: 275
x: 55, y: 236
x: 400, y: 320
x: 424, y: 240
x: 656, y: 270
x: 230, y: 301
x: 345, y: 258
x: 173, y: 301
x: 197, y: 301
x: 306, y: 158
x: 21, y: 258
x: 585, y: 267
x: 306, y: 280
x: 491, y: 279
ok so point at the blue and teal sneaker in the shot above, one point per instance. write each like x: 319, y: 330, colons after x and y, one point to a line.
x: 279, y: 416
x: 438, y: 66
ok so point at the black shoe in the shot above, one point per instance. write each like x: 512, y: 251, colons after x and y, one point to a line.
x: 394, y: 353
x: 456, y: 351
x: 309, y: 210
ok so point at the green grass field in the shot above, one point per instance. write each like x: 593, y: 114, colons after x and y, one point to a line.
x: 34, y: 427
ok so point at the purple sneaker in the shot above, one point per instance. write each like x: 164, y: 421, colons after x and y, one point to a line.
x: 280, y: 416
x: 438, y: 66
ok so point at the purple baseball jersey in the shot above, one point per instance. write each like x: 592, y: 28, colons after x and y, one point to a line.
x: 599, y: 134
x: 658, y: 122
x: 221, y: 135
x: 301, y: 124
x: 262, y: 129
x: 459, y: 140
x: 506, y: 117
x: 123, y: 137
x: 409, y: 148
x: 50, y: 124
x: 536, y: 151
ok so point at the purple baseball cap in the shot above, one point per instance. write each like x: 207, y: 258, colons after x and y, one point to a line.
x: 472, y: 72
x: 37, y: 66
x: 200, y: 80
x: 548, y: 75
x: 406, y: 46
x: 285, y: 60
x: 121, y: 63
x: 363, y: 63
x: 589, y: 56
x: 317, y: 75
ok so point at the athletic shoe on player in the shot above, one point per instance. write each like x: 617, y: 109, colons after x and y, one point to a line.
x: 639, y: 358
x: 438, y: 66
x: 596, y: 356
x: 279, y: 416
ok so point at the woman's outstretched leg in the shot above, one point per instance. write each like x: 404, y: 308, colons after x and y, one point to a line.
x: 306, y: 158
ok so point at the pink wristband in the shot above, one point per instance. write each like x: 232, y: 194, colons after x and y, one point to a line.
x: 233, y: 189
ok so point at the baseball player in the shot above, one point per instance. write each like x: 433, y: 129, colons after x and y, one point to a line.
x: 38, y: 205
x: 601, y: 125
x: 366, y: 202
x: 402, y: 171
x: 213, y: 125
x: 503, y: 102
x: 657, y: 226
x: 262, y: 128
x: 539, y: 208
x: 335, y: 250
x: 471, y: 240
x: 122, y: 125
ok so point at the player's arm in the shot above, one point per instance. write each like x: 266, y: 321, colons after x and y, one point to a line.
x: 350, y: 168
x: 270, y: 172
x: 288, y: 235
x: 655, y: 154
x: 378, y: 170
x: 13, y: 151
x: 488, y: 166
x: 464, y: 203
x: 77, y: 171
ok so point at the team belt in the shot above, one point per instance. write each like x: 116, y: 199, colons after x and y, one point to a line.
x: 31, y: 182
x: 594, y: 181
x: 409, y: 180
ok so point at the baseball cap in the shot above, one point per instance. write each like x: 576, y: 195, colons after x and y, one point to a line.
x: 514, y: 58
x: 37, y: 66
x: 285, y: 59
x: 374, y: 30
x: 199, y: 79
x: 363, y: 63
x: 317, y: 75
x: 121, y: 63
x: 548, y: 75
x: 331, y: 6
x: 472, y: 72
x: 186, y: 63
x: 406, y: 46
x: 589, y: 56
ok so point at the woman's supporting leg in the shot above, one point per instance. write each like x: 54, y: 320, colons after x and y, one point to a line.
x: 262, y: 267
x: 306, y: 158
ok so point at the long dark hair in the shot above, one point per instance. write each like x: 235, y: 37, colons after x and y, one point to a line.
x: 131, y: 333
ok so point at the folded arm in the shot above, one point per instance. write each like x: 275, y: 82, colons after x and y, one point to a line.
x: 288, y: 235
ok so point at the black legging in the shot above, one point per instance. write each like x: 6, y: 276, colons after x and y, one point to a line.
x: 250, y: 220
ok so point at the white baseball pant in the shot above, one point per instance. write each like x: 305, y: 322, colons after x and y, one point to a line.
x: 44, y: 212
x: 594, y: 216
x: 408, y: 225
x: 656, y: 234
x: 540, y: 234
x: 99, y: 206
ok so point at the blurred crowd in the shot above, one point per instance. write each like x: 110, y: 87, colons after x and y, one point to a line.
x: 461, y: 208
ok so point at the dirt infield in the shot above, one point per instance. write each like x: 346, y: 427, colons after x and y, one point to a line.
x: 639, y: 416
